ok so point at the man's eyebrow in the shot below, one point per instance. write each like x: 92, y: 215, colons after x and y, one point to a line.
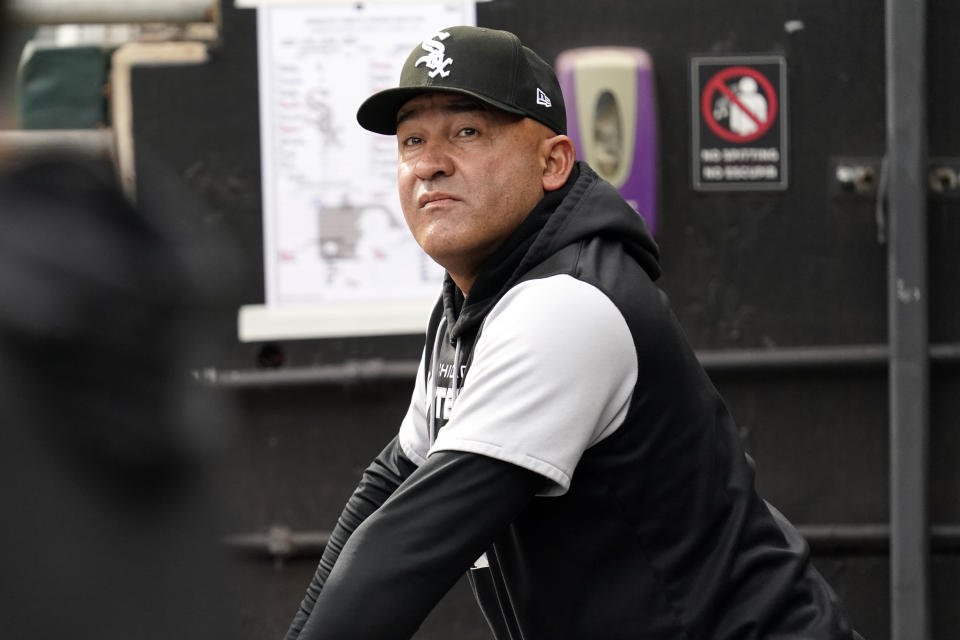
x: 459, y: 106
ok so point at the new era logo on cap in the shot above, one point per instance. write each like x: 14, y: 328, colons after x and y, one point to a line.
x: 543, y: 99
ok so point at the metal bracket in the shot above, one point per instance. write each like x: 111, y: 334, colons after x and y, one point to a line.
x: 123, y: 61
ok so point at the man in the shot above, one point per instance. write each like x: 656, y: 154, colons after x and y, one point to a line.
x: 562, y: 439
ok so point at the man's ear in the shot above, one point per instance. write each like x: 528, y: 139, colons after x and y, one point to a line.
x: 559, y: 156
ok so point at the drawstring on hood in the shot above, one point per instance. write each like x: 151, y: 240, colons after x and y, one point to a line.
x: 432, y: 390
x: 434, y: 374
x: 456, y: 369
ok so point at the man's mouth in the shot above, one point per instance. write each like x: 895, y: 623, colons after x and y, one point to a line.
x: 434, y: 198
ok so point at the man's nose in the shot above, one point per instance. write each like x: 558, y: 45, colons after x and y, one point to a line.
x: 434, y: 160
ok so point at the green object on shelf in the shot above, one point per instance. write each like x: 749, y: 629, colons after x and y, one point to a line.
x: 63, y: 87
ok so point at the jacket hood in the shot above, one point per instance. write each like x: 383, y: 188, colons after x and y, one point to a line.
x: 585, y: 207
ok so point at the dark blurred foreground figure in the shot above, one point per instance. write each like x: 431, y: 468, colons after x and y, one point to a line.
x: 110, y: 509
x: 563, y: 445
x: 110, y: 527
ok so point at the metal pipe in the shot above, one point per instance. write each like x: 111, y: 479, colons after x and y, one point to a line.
x: 867, y: 357
x: 280, y: 542
x: 350, y: 372
x: 873, y: 539
x: 726, y: 361
x: 35, y: 12
x: 870, y: 357
x: 16, y: 144
x: 907, y: 296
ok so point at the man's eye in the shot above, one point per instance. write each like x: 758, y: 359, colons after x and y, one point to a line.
x: 468, y: 132
x: 411, y: 141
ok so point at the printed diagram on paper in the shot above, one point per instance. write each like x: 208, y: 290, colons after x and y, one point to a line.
x: 333, y: 228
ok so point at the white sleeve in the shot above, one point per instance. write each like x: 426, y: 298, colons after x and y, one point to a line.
x: 552, y: 374
x: 413, y: 436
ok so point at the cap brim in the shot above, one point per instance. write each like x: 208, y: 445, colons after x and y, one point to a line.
x: 378, y: 113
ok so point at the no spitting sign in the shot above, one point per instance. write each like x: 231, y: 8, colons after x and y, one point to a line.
x: 739, y: 123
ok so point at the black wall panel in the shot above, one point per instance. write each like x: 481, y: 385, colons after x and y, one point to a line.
x: 801, y: 267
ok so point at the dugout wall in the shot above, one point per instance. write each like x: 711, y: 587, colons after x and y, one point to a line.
x: 787, y: 293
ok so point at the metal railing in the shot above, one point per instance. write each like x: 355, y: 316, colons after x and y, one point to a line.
x: 279, y: 542
x: 723, y: 362
x: 37, y: 12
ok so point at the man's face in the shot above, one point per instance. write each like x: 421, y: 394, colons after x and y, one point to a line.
x: 467, y: 175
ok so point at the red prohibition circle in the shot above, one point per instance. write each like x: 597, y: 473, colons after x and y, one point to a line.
x: 716, y: 83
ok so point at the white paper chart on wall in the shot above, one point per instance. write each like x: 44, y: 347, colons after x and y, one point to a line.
x: 333, y: 229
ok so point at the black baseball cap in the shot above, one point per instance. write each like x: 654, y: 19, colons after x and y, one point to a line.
x: 489, y: 65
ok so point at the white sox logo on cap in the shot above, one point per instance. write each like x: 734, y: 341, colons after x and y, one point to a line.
x: 434, y: 58
x: 494, y: 68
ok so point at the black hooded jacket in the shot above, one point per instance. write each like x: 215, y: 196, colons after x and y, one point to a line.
x: 565, y: 443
